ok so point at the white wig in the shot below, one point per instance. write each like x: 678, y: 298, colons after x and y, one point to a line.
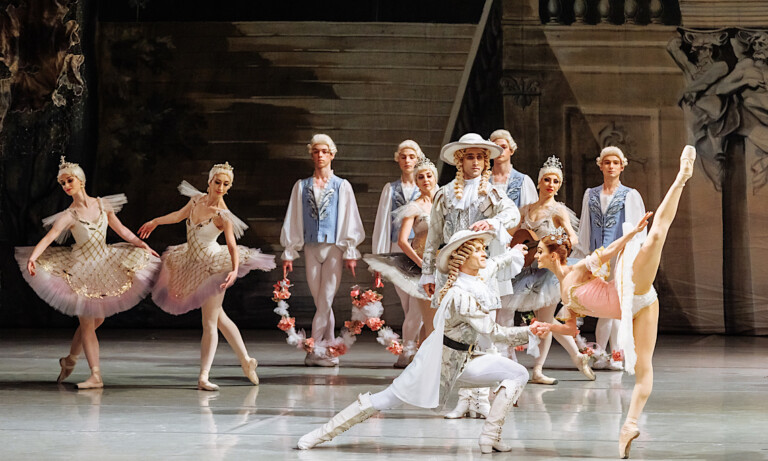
x: 409, y: 144
x: 322, y: 139
x: 612, y: 150
x: 222, y: 168
x: 70, y: 169
x: 504, y: 134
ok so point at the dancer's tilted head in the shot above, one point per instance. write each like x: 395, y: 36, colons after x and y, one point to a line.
x: 464, y: 252
x: 220, y: 178
x: 550, y: 177
x: 425, y: 174
x: 70, y: 176
x: 553, y: 248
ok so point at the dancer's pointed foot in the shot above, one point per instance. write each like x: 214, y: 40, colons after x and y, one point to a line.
x: 687, y: 159
x: 628, y: 433
x: 94, y: 381
x: 67, y: 367
x: 249, y: 369
x: 582, y: 363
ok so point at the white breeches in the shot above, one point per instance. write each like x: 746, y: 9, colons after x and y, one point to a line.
x: 324, y: 265
x: 481, y: 371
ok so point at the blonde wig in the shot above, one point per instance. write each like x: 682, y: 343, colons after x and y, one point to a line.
x: 458, y: 258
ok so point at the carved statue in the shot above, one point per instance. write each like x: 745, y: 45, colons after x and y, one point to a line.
x: 706, y: 111
x: 747, y: 87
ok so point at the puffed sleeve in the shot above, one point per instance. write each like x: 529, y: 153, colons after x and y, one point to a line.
x: 349, y: 227
x: 292, y: 234
x: 503, y: 214
x: 511, y: 262
x: 528, y: 193
x: 434, y: 238
x: 584, y: 229
x: 381, y: 238
x: 634, y: 209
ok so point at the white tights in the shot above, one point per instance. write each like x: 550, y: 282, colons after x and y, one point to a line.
x: 412, y: 320
x: 607, y: 329
x: 324, y: 265
x: 482, y: 371
x: 215, y: 319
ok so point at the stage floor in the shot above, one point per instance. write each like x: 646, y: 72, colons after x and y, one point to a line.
x: 710, y: 402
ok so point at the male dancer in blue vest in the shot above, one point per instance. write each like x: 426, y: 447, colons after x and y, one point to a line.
x: 386, y: 230
x: 521, y: 190
x: 322, y: 218
x: 603, y: 211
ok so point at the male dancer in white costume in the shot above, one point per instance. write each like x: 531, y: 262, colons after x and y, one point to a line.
x: 603, y: 211
x: 322, y: 218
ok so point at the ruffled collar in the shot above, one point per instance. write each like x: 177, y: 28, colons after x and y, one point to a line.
x: 479, y: 289
x: 469, y: 195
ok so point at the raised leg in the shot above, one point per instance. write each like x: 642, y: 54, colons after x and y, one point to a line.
x: 647, y: 262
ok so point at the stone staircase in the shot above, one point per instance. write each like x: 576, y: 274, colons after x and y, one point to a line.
x: 264, y: 88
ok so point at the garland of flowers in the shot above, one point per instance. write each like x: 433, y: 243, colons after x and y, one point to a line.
x: 597, y: 354
x: 366, y: 312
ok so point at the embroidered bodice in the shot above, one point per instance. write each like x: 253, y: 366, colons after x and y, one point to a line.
x: 545, y: 225
x: 420, y: 223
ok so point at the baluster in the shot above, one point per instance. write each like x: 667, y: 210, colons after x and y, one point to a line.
x: 657, y: 12
x: 553, y: 8
x: 579, y: 10
x: 630, y: 11
x: 604, y: 10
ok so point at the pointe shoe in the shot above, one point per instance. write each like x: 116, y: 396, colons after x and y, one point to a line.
x: 537, y: 377
x: 67, y: 367
x: 204, y: 385
x: 583, y: 366
x: 687, y: 159
x: 94, y: 381
x: 312, y: 360
x: 628, y: 433
x: 249, y: 369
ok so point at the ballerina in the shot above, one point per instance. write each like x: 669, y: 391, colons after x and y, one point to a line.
x: 404, y: 269
x: 198, y: 273
x: 630, y: 297
x: 465, y: 314
x: 90, y: 279
x: 535, y: 288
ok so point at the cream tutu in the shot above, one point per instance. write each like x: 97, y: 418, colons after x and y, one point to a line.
x: 91, y: 278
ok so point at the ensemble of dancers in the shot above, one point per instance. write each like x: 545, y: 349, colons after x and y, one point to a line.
x: 463, y: 258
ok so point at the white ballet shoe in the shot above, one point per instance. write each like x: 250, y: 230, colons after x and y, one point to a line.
x: 628, y: 433
x: 249, y: 370
x: 67, y: 367
x: 583, y: 365
x: 94, y: 381
x: 537, y: 377
x: 204, y: 385
x: 687, y: 159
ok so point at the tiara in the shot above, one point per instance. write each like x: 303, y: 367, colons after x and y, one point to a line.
x: 223, y: 166
x: 553, y: 162
x: 424, y: 163
x: 556, y: 236
x: 64, y: 164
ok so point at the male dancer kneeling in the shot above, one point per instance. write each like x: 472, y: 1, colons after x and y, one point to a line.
x: 445, y: 358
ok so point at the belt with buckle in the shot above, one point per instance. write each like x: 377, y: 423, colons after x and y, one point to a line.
x: 457, y: 346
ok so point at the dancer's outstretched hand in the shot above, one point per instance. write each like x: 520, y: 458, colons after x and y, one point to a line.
x: 149, y: 249
x: 643, y: 221
x: 540, y: 329
x: 351, y: 264
x: 287, y: 268
x: 31, y: 267
x: 147, y: 229
x: 229, y: 281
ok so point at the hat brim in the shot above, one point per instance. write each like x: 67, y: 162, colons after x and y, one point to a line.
x: 444, y: 256
x: 448, y: 151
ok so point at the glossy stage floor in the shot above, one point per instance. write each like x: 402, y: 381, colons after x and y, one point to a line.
x: 710, y: 402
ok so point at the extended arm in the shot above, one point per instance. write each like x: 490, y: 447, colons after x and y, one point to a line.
x: 170, y: 218
x: 63, y: 223
x: 126, y: 234
x: 619, y: 244
x: 229, y: 235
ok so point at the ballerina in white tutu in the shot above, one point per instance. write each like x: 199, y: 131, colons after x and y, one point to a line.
x: 535, y: 288
x: 404, y: 269
x: 197, y: 273
x: 90, y: 279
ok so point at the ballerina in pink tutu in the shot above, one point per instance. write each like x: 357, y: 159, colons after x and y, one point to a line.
x: 90, y: 279
x: 197, y: 273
